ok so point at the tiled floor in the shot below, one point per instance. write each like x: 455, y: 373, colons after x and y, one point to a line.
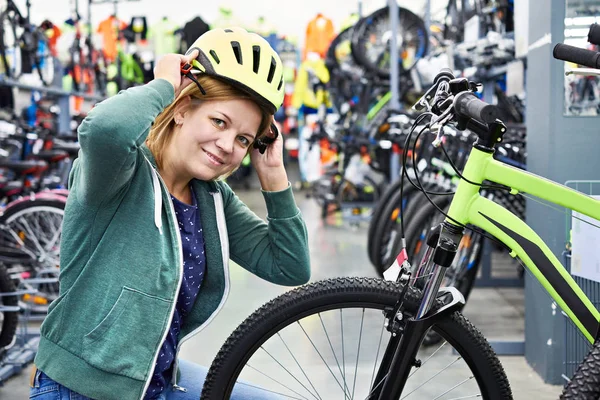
x: 338, y: 249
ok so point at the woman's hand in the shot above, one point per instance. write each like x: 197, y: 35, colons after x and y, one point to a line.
x: 269, y: 166
x: 168, y: 68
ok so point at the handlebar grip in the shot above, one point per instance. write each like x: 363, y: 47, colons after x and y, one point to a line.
x: 577, y: 55
x: 444, y: 73
x: 594, y: 34
x: 468, y: 105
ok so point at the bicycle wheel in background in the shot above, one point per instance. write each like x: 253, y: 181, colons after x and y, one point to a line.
x: 371, y: 41
x: 30, y: 242
x: 42, y: 58
x: 463, y: 271
x: 385, y: 230
x: 8, y: 319
x: 10, y: 50
x: 330, y: 336
x: 339, y: 52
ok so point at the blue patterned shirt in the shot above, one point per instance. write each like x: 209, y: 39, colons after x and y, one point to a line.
x: 194, y: 266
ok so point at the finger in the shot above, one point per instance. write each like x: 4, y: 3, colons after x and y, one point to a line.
x: 192, y: 56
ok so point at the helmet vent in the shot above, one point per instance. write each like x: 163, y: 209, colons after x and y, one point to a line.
x: 272, y: 70
x: 280, y: 83
x: 237, y: 50
x: 255, y: 58
x: 228, y: 31
x: 215, y: 56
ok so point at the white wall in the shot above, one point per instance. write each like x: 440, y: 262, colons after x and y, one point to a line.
x: 288, y: 16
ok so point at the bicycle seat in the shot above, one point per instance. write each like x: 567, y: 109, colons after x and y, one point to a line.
x: 51, y: 156
x: 24, y: 167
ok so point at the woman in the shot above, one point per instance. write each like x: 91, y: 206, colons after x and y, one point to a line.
x: 149, y: 227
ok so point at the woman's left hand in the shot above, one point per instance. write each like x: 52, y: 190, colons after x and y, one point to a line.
x: 269, y: 166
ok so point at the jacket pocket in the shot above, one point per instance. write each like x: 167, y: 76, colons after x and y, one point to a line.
x: 125, y: 341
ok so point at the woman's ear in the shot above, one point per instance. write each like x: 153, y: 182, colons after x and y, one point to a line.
x: 182, y: 106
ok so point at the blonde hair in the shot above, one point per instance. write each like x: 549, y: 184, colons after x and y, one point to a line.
x: 161, y: 132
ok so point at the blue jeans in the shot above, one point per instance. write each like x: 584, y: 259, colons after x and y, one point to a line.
x: 192, y: 378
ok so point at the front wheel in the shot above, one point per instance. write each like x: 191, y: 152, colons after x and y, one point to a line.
x: 325, y: 340
x: 585, y: 384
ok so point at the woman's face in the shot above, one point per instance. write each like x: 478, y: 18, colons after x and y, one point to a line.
x: 213, y: 137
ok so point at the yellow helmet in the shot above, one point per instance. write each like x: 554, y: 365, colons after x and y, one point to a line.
x: 243, y: 59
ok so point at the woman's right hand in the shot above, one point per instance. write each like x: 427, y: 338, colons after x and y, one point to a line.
x: 168, y: 68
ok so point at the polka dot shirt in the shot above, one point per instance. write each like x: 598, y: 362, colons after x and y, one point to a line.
x: 194, y: 267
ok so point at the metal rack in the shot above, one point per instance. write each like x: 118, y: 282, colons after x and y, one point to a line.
x: 63, y: 96
x: 26, y: 342
x: 576, y: 346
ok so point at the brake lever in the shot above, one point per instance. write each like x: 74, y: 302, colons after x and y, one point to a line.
x: 437, y: 126
x: 262, y: 143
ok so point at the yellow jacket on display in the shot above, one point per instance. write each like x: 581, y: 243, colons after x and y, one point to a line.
x: 309, y: 88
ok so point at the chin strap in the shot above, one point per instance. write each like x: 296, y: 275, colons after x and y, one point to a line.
x: 186, y: 70
x: 262, y: 143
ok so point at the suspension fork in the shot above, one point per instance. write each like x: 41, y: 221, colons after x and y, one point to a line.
x: 408, y: 331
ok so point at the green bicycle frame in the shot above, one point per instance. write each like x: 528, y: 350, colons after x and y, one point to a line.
x: 469, y: 207
x: 379, y: 105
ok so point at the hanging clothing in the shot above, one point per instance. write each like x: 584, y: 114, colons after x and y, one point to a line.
x: 52, y: 32
x: 310, y: 86
x: 226, y: 19
x: 109, y: 30
x: 137, y: 30
x: 266, y: 30
x: 319, y: 34
x: 163, y: 38
x: 192, y: 31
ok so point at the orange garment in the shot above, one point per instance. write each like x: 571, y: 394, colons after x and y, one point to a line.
x: 319, y: 34
x: 52, y: 32
x: 109, y: 29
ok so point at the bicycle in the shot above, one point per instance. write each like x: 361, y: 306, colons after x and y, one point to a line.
x: 409, y: 313
x: 23, y: 46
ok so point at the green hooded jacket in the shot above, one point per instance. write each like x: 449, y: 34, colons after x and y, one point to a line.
x: 121, y: 258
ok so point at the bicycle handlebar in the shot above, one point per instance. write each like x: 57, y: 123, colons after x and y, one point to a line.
x: 466, y: 104
x: 577, y: 55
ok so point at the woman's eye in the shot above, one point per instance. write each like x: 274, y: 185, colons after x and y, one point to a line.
x: 244, y: 141
x: 219, y: 123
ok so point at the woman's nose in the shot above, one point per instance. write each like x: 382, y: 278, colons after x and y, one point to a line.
x: 225, y: 142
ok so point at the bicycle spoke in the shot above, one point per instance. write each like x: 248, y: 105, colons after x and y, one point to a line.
x: 54, y: 239
x: 376, y: 386
x: 473, y: 396
x: 32, y: 235
x: 319, y: 353
x: 343, y: 353
x: 428, y: 358
x: 454, y: 387
x: 334, y: 356
x: 301, y: 369
x: 377, y: 355
x: 289, y: 373
x: 267, y: 376
x: 423, y: 384
x: 358, y: 351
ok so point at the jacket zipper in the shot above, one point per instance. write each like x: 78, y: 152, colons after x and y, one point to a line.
x: 222, y: 226
x: 179, y: 280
